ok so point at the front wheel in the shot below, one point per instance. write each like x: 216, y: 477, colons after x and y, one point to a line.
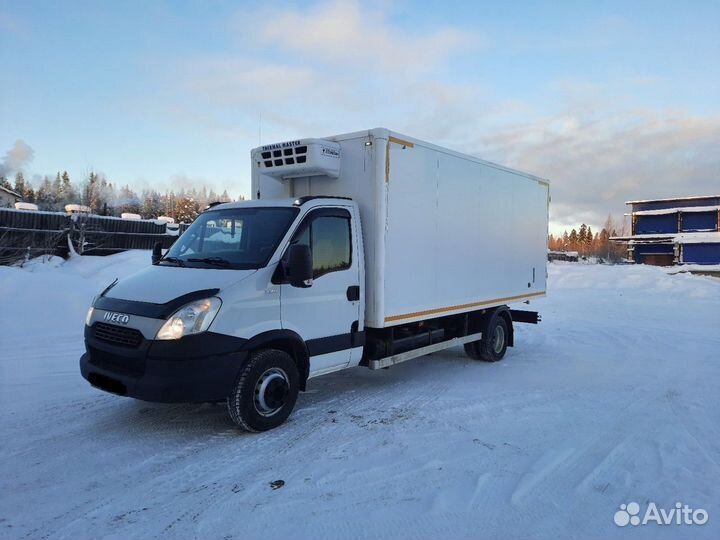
x: 265, y: 391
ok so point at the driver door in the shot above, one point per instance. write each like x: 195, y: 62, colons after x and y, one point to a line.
x: 324, y: 313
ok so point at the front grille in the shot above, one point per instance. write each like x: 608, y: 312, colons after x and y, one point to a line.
x: 117, y: 335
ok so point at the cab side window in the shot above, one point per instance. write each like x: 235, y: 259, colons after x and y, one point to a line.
x: 328, y: 235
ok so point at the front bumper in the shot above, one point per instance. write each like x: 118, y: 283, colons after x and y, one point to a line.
x: 197, y: 368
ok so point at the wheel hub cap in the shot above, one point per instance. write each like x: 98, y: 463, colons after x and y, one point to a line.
x: 499, y: 339
x: 270, y: 391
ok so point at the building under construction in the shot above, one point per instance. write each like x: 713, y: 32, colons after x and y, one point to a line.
x: 682, y: 230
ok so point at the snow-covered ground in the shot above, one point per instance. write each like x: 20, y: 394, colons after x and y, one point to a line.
x: 613, y: 398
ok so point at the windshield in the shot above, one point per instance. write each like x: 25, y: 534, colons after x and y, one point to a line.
x: 240, y: 238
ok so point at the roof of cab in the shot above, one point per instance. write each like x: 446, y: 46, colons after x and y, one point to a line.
x: 287, y: 202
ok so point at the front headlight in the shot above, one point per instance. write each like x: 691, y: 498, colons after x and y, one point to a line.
x: 89, y: 315
x: 192, y: 318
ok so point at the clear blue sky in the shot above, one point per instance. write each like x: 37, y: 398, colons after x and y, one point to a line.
x: 609, y: 100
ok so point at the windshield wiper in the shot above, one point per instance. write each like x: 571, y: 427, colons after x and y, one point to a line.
x: 172, y: 260
x: 217, y: 261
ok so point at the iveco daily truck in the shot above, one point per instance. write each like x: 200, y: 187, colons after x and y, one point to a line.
x: 364, y: 249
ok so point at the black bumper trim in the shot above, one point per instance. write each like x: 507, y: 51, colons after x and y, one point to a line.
x: 197, y: 368
x: 169, y: 381
x: 331, y: 344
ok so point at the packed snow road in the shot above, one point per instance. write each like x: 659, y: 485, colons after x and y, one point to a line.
x: 612, y: 399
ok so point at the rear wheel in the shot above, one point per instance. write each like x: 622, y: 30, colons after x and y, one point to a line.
x: 265, y: 391
x: 494, y: 343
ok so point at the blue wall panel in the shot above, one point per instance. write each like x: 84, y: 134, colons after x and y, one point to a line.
x: 663, y: 223
x: 701, y: 253
x: 699, y: 221
x: 664, y: 205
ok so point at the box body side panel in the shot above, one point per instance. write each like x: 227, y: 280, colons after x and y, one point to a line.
x: 461, y: 235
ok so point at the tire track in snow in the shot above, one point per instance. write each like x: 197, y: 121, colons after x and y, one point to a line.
x: 539, y: 472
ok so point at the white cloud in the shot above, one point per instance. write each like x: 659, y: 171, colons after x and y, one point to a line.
x: 595, y: 166
x: 354, y: 35
x: 341, y: 57
x: 228, y: 80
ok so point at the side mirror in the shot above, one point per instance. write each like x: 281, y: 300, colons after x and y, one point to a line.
x: 156, y: 253
x: 300, y: 265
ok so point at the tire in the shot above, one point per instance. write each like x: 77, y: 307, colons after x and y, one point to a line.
x: 493, y: 347
x: 494, y: 343
x: 265, y: 391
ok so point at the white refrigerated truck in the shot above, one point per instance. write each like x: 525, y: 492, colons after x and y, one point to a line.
x: 369, y: 249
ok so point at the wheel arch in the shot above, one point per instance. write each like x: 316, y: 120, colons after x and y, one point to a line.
x: 483, y: 320
x: 287, y: 341
x: 504, y: 312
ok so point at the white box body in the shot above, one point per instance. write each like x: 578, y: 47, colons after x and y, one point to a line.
x: 443, y: 232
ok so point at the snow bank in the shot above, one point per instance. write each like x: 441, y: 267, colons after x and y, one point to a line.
x: 42, y: 313
x: 613, y: 398
x: 50, y: 293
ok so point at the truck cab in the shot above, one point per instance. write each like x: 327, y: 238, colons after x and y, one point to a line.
x: 272, y: 275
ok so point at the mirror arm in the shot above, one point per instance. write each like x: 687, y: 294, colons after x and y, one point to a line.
x: 156, y: 253
x: 280, y: 274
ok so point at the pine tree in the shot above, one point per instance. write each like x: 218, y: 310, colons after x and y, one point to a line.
x: 595, y: 244
x: 57, y: 193
x: 128, y: 201
x: 5, y: 183
x: 70, y: 196
x: 186, y: 210
x: 582, y: 238
x: 150, y: 207
x: 107, y: 199
x: 90, y: 195
x: 168, y: 203
x: 573, y: 240
x: 565, y: 241
x: 111, y: 197
x: 603, y: 244
x: 44, y: 196
x: 20, y: 185
x: 102, y: 199
x: 29, y: 194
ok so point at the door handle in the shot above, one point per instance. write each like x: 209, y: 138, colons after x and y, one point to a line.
x: 353, y: 293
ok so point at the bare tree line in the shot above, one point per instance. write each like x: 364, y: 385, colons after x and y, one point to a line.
x: 104, y: 197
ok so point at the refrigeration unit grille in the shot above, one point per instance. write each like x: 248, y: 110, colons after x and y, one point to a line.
x: 285, y: 156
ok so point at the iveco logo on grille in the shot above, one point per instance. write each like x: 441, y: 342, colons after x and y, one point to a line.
x: 119, y: 318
